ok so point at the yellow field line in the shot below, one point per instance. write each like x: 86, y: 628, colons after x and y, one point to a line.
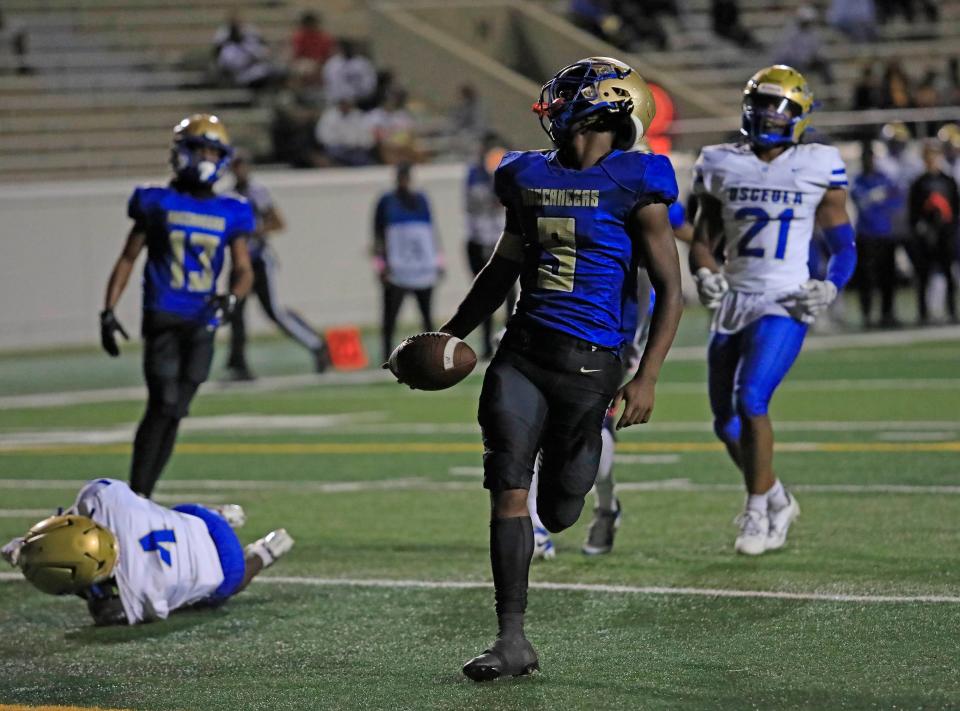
x: 467, y: 448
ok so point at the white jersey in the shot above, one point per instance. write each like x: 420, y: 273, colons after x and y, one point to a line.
x: 167, y: 559
x: 769, y: 211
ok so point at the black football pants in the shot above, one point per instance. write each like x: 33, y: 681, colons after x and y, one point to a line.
x: 546, y: 392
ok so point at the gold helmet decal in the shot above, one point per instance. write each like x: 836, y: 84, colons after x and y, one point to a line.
x: 776, y: 105
x: 597, y: 91
x: 66, y: 554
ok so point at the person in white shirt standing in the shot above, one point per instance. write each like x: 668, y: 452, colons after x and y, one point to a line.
x: 406, y: 255
x: 135, y: 561
x: 762, y: 198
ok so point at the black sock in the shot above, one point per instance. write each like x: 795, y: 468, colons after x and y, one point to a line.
x: 166, y: 448
x: 511, y: 548
x: 147, y: 447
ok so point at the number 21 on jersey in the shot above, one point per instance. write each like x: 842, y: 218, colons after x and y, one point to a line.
x: 760, y: 220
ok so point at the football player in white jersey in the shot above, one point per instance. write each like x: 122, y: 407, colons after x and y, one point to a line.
x: 135, y: 561
x: 762, y: 198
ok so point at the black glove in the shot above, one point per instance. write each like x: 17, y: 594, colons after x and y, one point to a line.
x: 109, y: 327
x: 222, y: 306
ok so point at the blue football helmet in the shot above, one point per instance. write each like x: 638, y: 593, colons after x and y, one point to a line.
x: 200, y: 130
x: 598, y: 92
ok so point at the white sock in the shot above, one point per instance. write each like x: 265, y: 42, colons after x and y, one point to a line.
x: 258, y: 549
x: 532, y: 496
x: 777, y: 496
x: 604, y: 485
x: 757, y: 502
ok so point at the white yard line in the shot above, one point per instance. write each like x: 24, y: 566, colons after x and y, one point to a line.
x: 183, y: 489
x: 368, y: 423
x: 682, y: 353
x: 588, y: 588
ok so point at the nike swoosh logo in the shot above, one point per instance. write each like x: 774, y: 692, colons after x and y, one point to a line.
x: 589, y: 370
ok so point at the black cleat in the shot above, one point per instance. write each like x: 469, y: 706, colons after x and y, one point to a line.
x: 507, y: 657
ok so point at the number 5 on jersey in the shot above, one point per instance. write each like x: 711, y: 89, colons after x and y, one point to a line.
x: 558, y: 237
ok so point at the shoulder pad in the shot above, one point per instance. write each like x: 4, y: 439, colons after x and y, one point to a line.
x: 512, y: 163
x: 646, y: 174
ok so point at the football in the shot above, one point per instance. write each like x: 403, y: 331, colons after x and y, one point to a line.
x: 431, y: 361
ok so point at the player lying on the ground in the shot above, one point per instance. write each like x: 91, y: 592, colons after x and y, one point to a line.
x: 135, y: 561
x: 762, y: 199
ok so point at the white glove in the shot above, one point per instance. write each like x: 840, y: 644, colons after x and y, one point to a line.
x: 810, y: 301
x: 11, y: 551
x: 711, y: 286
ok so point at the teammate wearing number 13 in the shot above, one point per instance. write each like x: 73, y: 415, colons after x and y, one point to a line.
x: 762, y: 198
x: 579, y: 221
x: 186, y: 229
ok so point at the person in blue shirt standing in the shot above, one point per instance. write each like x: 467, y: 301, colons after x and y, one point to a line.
x: 406, y: 255
x: 580, y: 220
x: 187, y: 230
x: 878, y: 200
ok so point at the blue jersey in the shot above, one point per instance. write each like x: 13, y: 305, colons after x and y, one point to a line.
x: 878, y: 200
x: 578, y: 260
x: 186, y: 240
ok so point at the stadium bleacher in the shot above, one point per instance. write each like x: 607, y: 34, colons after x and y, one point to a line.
x: 116, y: 74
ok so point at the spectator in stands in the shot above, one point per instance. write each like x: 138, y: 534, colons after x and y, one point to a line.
x: 857, y: 19
x: 345, y: 135
x: 866, y: 92
x: 242, y: 55
x: 14, y: 38
x: 485, y: 217
x: 888, y: 8
x: 725, y: 16
x: 949, y: 135
x: 926, y: 96
x: 878, y: 201
x: 406, y: 254
x: 800, y: 46
x: 294, y: 124
x: 311, y: 47
x: 468, y: 120
x: 394, y: 130
x: 934, y: 206
x: 349, y: 75
x: 895, y: 87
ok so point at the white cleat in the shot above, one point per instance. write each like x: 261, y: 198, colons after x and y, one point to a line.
x: 233, y: 514
x: 780, y: 523
x: 754, y: 527
x: 543, y: 547
x: 271, y: 547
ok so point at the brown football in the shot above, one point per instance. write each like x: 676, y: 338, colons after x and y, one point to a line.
x: 432, y: 361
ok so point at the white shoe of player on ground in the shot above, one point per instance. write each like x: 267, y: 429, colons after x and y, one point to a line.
x: 233, y: 514
x: 271, y: 547
x: 543, y: 547
x: 780, y: 521
x: 754, y: 527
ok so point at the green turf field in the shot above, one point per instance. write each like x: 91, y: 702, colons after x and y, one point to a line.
x: 381, y: 484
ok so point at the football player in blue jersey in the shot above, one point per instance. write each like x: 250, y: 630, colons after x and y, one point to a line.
x: 187, y: 230
x: 762, y: 198
x: 580, y: 220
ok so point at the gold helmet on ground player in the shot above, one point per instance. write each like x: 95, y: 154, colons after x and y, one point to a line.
x: 600, y: 93
x: 190, y: 162
x: 67, y: 554
x: 776, y: 107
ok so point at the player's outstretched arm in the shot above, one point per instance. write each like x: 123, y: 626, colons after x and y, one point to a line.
x: 489, y: 289
x: 650, y: 229
x: 119, y: 276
